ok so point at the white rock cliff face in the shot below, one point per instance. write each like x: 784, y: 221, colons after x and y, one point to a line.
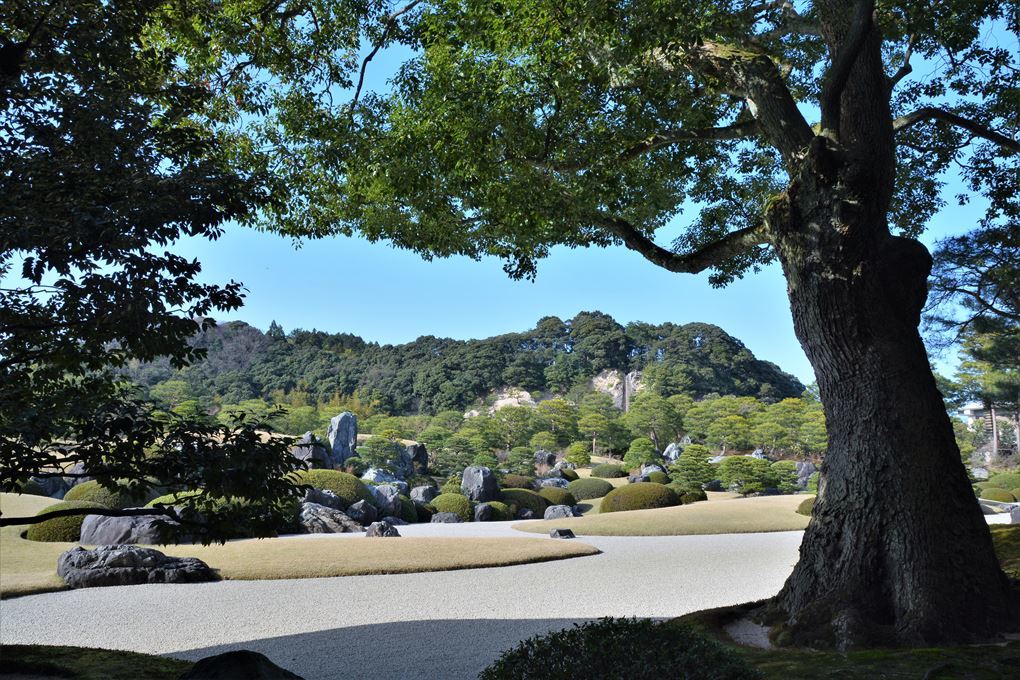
x: 619, y: 386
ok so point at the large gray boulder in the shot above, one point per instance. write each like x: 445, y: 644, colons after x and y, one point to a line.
x: 324, y: 497
x: 377, y: 476
x: 558, y: 512
x: 479, y: 484
x: 558, y: 482
x: 126, y: 565
x: 362, y: 512
x: 387, y: 499
x: 483, y: 513
x: 543, y: 457
x: 446, y: 518
x: 648, y: 468
x: 320, y: 519
x: 342, y: 434
x: 565, y: 465
x: 672, y: 452
x: 382, y: 530
x: 313, y: 451
x: 238, y: 665
x: 419, y: 457
x: 424, y: 494
x: 144, y: 529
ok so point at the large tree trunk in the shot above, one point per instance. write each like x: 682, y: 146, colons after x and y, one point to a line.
x: 898, y: 551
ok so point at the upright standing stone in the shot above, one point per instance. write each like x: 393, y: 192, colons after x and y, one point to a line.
x: 419, y: 456
x: 479, y: 484
x: 343, y: 438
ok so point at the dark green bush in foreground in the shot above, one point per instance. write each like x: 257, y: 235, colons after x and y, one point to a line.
x: 557, y: 496
x: 585, y: 489
x: 349, y: 488
x: 608, y: 471
x: 614, y: 649
x: 455, y: 503
x: 60, y: 529
x: 640, y: 496
x: 524, y: 498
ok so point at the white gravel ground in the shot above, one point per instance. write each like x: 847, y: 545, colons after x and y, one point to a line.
x: 444, y: 625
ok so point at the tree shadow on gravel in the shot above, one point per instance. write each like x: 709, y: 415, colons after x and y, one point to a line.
x: 445, y: 649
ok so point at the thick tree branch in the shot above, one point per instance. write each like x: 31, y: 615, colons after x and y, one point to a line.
x: 843, y: 62
x: 931, y: 113
x: 106, y: 512
x: 905, y: 68
x: 694, y: 262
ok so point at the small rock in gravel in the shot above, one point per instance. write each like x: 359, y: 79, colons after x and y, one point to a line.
x: 382, y: 530
x: 561, y: 533
x: 446, y: 518
x: 240, y: 665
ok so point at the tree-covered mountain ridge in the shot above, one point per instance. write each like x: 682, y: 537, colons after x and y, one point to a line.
x: 432, y: 374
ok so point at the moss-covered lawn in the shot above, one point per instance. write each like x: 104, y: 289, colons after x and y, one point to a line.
x: 30, y: 567
x: 745, y: 515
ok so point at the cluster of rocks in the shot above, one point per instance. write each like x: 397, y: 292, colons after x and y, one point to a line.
x: 323, y: 512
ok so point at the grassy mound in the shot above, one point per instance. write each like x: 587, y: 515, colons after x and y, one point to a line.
x: 995, y: 494
x: 89, y: 664
x: 806, y: 506
x: 640, y: 496
x: 511, y: 481
x: 1004, y: 480
x: 349, y: 488
x: 526, y: 499
x: 455, y: 503
x: 589, y: 487
x: 60, y: 529
x: 92, y: 492
x: 658, y: 477
x: 557, y: 496
x: 500, y: 511
x: 608, y: 471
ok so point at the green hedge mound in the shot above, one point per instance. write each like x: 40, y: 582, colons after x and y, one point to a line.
x: 511, y: 481
x: 557, y: 496
x: 608, y: 471
x: 1004, y: 480
x: 659, y: 477
x: 806, y: 506
x: 569, y: 474
x: 526, y: 499
x: 636, y: 649
x: 1000, y: 495
x: 639, y: 496
x: 500, y: 511
x: 60, y: 529
x: 92, y: 492
x: 452, y: 485
x: 455, y: 503
x: 349, y: 488
x: 588, y: 488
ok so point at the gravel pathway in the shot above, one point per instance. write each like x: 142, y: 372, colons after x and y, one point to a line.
x: 446, y: 625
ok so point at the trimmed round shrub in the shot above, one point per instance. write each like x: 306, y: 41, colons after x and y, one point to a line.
x: 452, y: 485
x: 510, y: 481
x: 639, y: 496
x: 1016, y: 493
x: 608, y: 471
x: 408, y: 512
x: 60, y: 529
x: 569, y: 475
x: 92, y: 492
x: 557, y: 496
x: 1000, y: 495
x: 500, y: 511
x: 349, y: 488
x: 588, y: 488
x: 806, y: 506
x: 456, y: 503
x: 659, y: 477
x: 526, y: 499
x: 1004, y: 480
x: 606, y: 649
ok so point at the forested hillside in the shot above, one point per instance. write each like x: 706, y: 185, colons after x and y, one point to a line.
x: 434, y: 374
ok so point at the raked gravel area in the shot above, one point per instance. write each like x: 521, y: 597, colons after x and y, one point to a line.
x: 443, y: 625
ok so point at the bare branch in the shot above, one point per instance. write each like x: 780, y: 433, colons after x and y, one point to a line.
x: 391, y: 21
x: 106, y: 512
x: 931, y: 113
x: 905, y: 68
x: 694, y: 262
x: 843, y: 63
